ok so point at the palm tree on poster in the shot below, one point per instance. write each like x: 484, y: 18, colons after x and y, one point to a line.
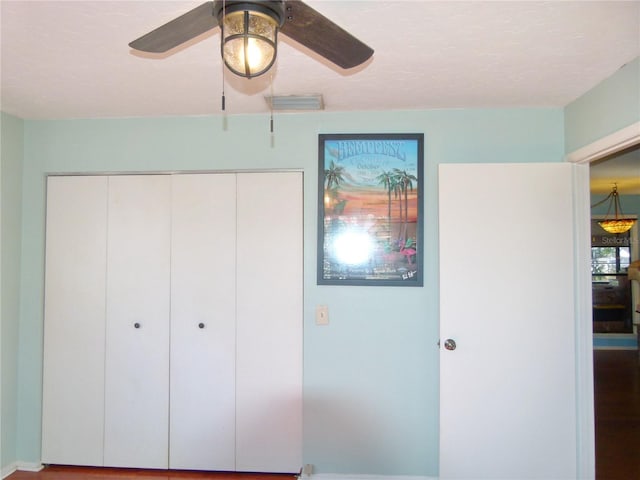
x: 405, y: 180
x: 333, y: 177
x: 386, y: 180
x: 397, y: 193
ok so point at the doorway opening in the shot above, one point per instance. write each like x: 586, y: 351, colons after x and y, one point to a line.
x: 615, y: 298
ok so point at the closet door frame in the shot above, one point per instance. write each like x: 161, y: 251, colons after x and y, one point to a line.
x: 280, y: 416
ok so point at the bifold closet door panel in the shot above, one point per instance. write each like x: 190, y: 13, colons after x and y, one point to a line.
x: 137, y: 334
x: 269, y: 322
x: 74, y: 310
x: 203, y: 343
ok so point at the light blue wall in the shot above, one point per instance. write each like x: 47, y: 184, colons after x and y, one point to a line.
x: 11, y: 201
x: 371, y: 376
x: 608, y: 107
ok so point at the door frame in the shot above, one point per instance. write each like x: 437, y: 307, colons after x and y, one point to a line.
x: 585, y: 419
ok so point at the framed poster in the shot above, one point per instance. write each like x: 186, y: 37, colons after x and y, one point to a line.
x: 370, y: 191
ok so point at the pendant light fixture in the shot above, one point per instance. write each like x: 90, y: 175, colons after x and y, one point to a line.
x: 249, y: 34
x: 618, y: 223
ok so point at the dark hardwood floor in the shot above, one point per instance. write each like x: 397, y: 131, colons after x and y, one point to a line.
x: 617, y: 407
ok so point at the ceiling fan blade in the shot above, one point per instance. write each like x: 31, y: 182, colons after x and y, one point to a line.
x: 178, y: 30
x: 316, y: 32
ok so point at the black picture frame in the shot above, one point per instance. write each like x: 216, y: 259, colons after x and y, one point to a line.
x: 370, y: 209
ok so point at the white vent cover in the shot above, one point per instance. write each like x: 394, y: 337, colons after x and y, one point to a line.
x: 295, y: 102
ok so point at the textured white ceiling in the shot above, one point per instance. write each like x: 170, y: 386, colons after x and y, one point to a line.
x: 71, y: 59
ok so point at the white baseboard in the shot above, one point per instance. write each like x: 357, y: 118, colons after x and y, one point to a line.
x: 339, y: 476
x: 30, y: 467
x: 22, y: 466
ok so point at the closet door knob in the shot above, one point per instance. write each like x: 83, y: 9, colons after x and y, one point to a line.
x: 136, y: 325
x: 201, y: 325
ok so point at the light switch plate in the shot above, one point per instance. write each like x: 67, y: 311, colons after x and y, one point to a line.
x: 322, y: 315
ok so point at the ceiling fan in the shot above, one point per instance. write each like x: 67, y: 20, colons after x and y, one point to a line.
x: 249, y: 33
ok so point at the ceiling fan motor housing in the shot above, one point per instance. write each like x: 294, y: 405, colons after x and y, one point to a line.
x: 273, y: 8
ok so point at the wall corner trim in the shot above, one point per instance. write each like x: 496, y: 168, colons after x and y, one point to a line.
x: 604, y: 146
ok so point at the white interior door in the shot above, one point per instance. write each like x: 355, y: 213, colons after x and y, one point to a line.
x: 269, y: 322
x: 137, y: 333
x: 74, y: 306
x: 507, y: 392
x: 203, y: 327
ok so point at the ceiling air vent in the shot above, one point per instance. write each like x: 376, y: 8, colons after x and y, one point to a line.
x: 295, y: 102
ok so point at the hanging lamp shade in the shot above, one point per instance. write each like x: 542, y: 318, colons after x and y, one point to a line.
x: 621, y: 225
x: 249, y: 35
x: 618, y: 223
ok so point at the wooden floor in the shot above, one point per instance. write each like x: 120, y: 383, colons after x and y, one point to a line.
x: 617, y: 405
x: 85, y: 473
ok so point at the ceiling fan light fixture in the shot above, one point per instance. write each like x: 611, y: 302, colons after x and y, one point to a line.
x: 249, y: 35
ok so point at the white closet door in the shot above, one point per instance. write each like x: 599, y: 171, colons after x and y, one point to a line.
x: 269, y: 322
x: 137, y: 351
x: 74, y: 306
x: 203, y: 281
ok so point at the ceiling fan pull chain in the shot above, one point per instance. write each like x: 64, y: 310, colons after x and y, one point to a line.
x: 223, y: 97
x: 224, y: 11
x: 271, y: 102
